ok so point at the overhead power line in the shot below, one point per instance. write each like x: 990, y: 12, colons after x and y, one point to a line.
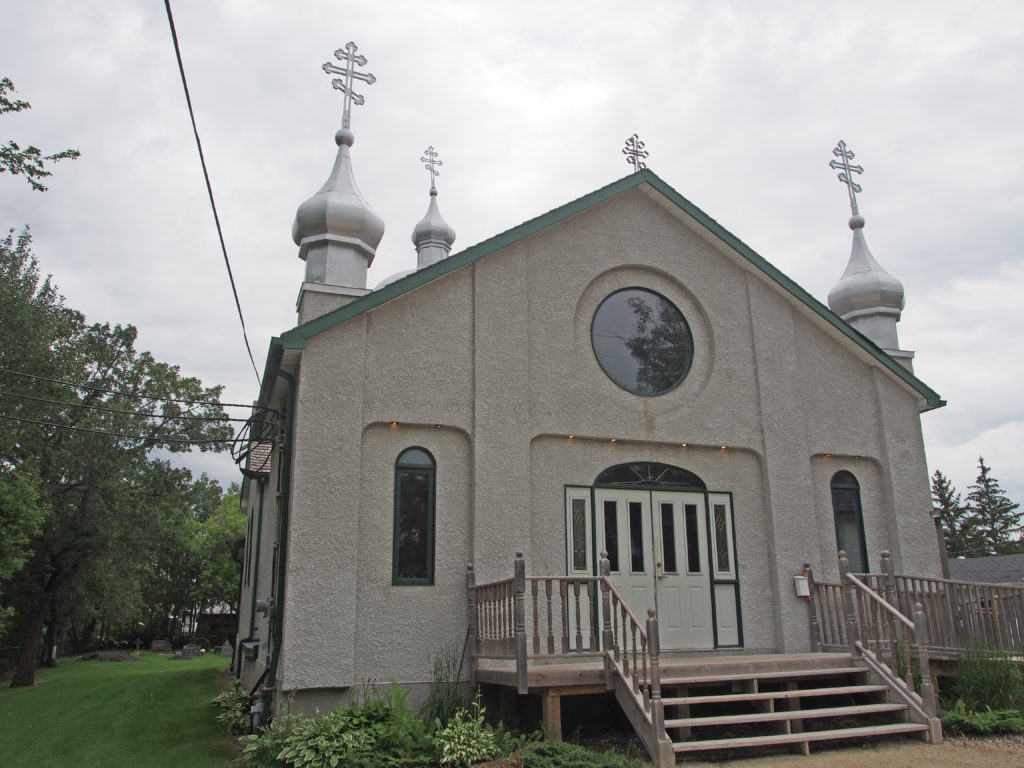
x: 146, y: 414
x: 209, y: 188
x: 106, y: 391
x: 175, y: 440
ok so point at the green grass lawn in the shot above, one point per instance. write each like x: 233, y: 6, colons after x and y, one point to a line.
x: 151, y: 713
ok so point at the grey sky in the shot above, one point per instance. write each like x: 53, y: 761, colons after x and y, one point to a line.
x: 528, y: 104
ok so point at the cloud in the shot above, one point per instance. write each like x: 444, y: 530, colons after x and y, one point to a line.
x: 529, y: 104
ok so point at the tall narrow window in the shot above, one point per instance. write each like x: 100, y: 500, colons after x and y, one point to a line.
x: 849, y: 520
x: 413, y: 554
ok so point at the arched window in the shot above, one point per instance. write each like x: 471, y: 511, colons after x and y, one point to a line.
x: 413, y: 548
x: 849, y: 520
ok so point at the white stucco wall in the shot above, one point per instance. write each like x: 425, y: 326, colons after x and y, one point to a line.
x: 491, y: 368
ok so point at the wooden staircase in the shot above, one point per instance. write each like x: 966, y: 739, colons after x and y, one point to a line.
x: 742, y: 702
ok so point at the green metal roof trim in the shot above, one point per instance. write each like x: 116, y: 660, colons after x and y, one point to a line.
x: 296, y: 338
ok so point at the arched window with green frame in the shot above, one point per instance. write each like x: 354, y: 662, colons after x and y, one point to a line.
x: 413, y: 546
x: 849, y: 520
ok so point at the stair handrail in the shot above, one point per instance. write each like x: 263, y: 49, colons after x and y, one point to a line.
x: 635, y: 667
x: 866, y: 630
x: 636, y: 659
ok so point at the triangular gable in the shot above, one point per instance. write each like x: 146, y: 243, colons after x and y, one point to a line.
x: 295, y: 339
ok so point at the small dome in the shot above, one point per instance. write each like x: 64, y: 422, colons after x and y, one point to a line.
x: 433, y: 226
x: 432, y: 237
x: 338, y: 212
x: 865, y: 286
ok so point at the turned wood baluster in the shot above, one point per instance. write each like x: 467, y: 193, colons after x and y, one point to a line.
x: 563, y: 593
x: 551, y: 625
x: 520, y: 623
x: 579, y: 626
x: 536, y: 616
x: 654, y: 648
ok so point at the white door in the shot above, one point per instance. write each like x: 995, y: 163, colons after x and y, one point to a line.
x: 623, y: 525
x: 658, y: 554
x: 682, y: 570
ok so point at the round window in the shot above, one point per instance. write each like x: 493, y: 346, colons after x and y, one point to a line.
x: 642, y: 341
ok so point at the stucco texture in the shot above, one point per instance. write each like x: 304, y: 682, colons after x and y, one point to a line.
x: 490, y: 367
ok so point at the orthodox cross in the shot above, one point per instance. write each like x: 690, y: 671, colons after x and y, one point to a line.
x: 841, y: 162
x: 430, y: 162
x: 635, y: 153
x: 348, y: 70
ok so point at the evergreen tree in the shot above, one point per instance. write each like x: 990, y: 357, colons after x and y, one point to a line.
x: 995, y: 519
x: 956, y: 522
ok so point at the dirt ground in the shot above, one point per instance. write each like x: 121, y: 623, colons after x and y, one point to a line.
x: 955, y: 752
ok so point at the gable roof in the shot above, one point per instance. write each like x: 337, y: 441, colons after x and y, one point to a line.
x: 648, y: 182
x: 997, y: 569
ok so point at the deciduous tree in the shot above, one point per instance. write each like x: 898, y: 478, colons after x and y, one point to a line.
x: 29, y: 162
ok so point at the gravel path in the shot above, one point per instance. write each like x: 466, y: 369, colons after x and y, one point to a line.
x: 954, y: 752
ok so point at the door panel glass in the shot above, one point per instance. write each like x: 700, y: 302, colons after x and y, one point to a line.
x: 668, y: 537
x: 611, y: 533
x: 636, y: 537
x: 692, y: 539
x: 579, y: 534
x: 722, y: 554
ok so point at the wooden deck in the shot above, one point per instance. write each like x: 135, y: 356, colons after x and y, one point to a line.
x: 874, y: 636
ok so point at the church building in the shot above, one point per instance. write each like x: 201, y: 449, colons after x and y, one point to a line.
x: 620, y: 374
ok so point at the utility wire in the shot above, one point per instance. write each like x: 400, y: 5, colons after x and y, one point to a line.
x: 119, y: 392
x: 161, y: 440
x: 147, y: 414
x: 209, y: 188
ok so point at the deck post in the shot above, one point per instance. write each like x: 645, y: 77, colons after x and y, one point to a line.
x: 812, y: 610
x: 474, y: 623
x: 849, y: 609
x: 520, y: 622
x: 654, y: 651
x: 892, y: 595
x: 607, y: 640
x: 921, y: 641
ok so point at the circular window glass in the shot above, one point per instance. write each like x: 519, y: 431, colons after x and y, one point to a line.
x: 642, y: 341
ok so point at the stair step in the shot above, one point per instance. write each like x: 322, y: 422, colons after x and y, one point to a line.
x: 872, y: 731
x: 795, y: 714
x: 710, y: 679
x: 839, y: 690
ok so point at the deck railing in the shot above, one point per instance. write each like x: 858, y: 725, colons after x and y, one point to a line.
x: 957, y: 614
x: 548, y: 617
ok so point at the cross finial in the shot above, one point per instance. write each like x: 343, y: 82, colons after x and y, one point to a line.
x: 344, y: 84
x: 841, y: 162
x: 430, y: 162
x: 635, y: 153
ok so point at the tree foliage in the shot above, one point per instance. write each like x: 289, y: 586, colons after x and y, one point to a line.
x: 995, y: 518
x: 80, y: 411
x: 953, y: 513
x: 985, y: 523
x: 29, y: 162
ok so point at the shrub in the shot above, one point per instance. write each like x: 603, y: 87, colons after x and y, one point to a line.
x: 447, y: 693
x: 233, y: 704
x: 466, y: 739
x: 961, y: 720
x: 262, y: 749
x: 563, y: 754
x: 989, y: 679
x: 382, y: 731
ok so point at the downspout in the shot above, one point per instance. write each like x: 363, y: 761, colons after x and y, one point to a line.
x: 254, y: 575
x: 282, y: 550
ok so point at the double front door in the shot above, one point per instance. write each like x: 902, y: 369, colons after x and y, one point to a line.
x: 666, y: 550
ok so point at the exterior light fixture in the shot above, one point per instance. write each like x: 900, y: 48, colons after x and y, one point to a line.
x: 394, y: 424
x: 614, y: 439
